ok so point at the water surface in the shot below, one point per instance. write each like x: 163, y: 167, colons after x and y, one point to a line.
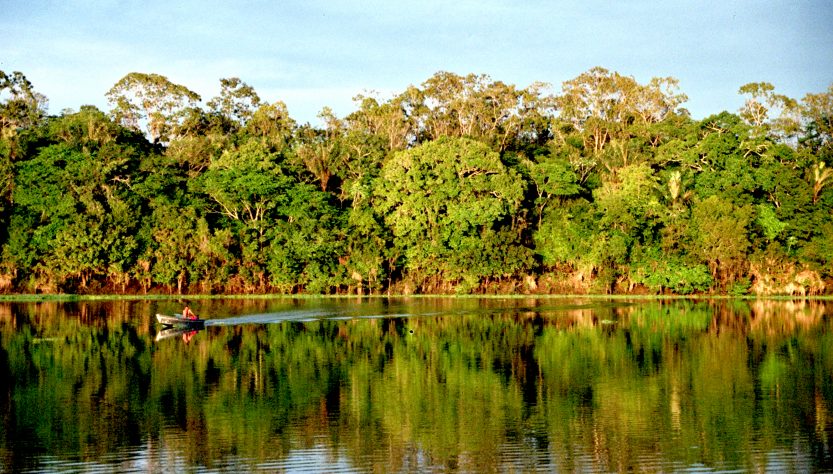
x: 418, y: 384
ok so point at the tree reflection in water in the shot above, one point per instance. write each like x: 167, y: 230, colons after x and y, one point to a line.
x: 443, y: 383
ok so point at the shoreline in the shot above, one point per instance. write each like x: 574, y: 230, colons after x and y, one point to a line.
x: 70, y: 298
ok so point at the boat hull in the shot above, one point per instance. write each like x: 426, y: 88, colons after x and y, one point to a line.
x: 179, y: 321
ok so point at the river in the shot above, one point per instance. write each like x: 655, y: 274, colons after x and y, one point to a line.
x: 418, y: 384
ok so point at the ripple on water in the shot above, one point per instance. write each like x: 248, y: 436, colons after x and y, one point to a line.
x: 319, y: 458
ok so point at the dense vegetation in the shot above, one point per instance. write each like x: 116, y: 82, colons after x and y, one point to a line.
x: 463, y: 184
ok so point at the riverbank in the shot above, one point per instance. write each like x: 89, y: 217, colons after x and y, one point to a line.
x: 32, y: 298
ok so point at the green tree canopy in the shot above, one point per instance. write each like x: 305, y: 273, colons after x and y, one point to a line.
x: 152, y: 97
x: 441, y: 198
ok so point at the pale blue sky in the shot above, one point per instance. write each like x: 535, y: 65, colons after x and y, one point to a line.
x: 314, y: 53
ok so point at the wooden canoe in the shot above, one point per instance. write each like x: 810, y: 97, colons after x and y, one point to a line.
x: 178, y: 320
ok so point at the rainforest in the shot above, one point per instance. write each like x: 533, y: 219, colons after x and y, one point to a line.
x: 462, y: 184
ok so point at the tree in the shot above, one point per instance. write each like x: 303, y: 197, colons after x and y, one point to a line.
x: 176, y: 237
x: 712, y: 150
x: 305, y: 242
x: 389, y: 120
x: 474, y: 106
x: 272, y: 125
x: 237, y: 101
x: 821, y: 179
x: 568, y: 236
x: 362, y: 156
x: 629, y: 203
x: 138, y: 96
x: 441, y: 198
x: 7, y: 173
x: 87, y: 247
x: 82, y: 178
x: 610, y: 109
x: 318, y: 150
x: 817, y: 115
x: 367, y: 258
x: 88, y: 130
x: 718, y: 233
x: 767, y: 111
x: 246, y: 183
x: 20, y: 106
x: 199, y: 139
x: 75, y: 196
x: 553, y: 177
x: 455, y: 184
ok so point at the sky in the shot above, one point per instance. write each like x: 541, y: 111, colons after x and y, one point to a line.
x: 312, y: 54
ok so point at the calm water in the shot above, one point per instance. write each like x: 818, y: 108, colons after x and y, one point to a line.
x: 419, y: 385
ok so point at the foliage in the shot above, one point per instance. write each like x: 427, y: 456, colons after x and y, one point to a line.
x: 445, y: 202
x: 460, y: 184
x: 674, y: 276
x: 138, y: 96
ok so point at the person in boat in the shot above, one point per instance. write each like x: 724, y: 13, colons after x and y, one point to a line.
x: 188, y: 314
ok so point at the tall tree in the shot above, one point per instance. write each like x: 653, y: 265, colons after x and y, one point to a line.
x: 272, y: 125
x: 391, y: 120
x: 769, y: 112
x: 817, y: 112
x: 138, y: 96
x: 21, y: 106
x: 609, y: 109
x: 318, y: 149
x: 198, y: 139
x: 237, y: 101
x: 477, y: 107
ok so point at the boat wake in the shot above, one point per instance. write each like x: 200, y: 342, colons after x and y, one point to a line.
x: 272, y: 318
x: 305, y: 316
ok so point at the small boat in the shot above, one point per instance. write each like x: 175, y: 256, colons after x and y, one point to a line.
x: 178, y: 320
